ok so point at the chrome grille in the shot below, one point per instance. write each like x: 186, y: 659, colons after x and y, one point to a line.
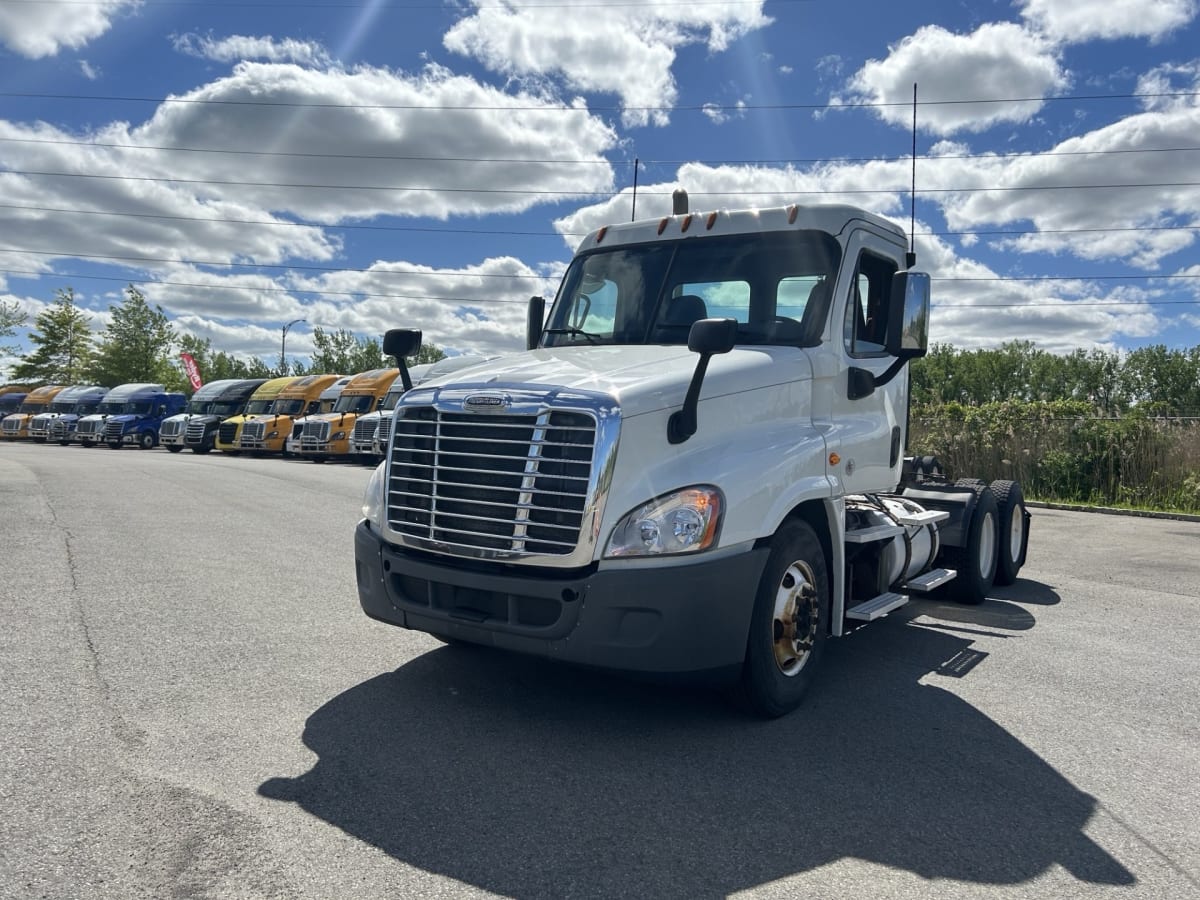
x: 113, y: 430
x: 364, y: 431
x: 315, y: 433
x: 89, y: 427
x: 39, y: 426
x: 11, y: 425
x: 171, y: 429
x: 58, y: 430
x: 227, y: 433
x: 517, y: 484
x: 195, y: 432
x: 252, y: 432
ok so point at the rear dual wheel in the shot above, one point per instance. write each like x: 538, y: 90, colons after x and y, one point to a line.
x: 976, y: 561
x: 1013, y: 523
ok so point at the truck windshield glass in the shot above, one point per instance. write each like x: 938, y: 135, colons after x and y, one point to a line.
x: 86, y: 407
x: 139, y: 407
x: 390, y: 399
x: 775, y: 285
x: 258, y: 407
x: 288, y: 407
x: 62, y: 406
x: 110, y: 409
x: 196, y: 407
x: 31, y: 407
x: 360, y: 404
x: 225, y: 408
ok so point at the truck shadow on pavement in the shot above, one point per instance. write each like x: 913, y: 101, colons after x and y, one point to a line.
x: 531, y: 779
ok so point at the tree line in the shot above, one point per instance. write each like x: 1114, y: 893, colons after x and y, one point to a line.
x: 140, y: 343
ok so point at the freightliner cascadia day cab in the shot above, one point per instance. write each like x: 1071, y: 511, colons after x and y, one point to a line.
x: 201, y: 433
x: 67, y: 408
x: 268, y: 432
x: 328, y: 399
x: 143, y: 409
x: 229, y: 434
x: 328, y: 434
x: 173, y: 432
x: 15, y: 427
x: 696, y: 469
x: 363, y: 445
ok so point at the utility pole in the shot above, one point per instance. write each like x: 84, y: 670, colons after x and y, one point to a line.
x: 283, y: 363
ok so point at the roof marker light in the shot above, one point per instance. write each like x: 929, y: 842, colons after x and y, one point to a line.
x: 601, y: 233
x: 712, y: 219
x: 662, y: 226
x: 686, y: 222
x: 792, y: 210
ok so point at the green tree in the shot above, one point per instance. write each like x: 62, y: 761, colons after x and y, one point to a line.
x: 343, y: 353
x: 428, y: 353
x: 63, y: 340
x: 136, y: 345
x: 12, y: 317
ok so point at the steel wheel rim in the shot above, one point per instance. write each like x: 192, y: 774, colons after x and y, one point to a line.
x: 987, y: 546
x: 795, y: 618
x: 1016, y: 533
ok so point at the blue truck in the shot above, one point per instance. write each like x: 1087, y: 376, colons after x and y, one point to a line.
x: 130, y: 414
x: 66, y: 409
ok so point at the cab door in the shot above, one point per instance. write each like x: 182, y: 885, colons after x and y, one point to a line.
x: 867, y: 422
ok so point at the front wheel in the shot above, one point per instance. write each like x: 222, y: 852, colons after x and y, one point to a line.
x: 174, y: 448
x: 114, y: 445
x: 789, y: 622
x: 146, y: 440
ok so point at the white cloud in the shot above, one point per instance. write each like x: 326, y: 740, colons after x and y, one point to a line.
x: 719, y: 115
x: 999, y: 60
x: 1073, y: 22
x: 237, y: 48
x: 36, y: 30
x: 624, y: 49
x: 90, y: 72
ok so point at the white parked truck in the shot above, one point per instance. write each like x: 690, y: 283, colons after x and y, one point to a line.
x: 697, y: 467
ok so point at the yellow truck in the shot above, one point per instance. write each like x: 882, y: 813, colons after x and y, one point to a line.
x: 268, y: 432
x: 16, y: 426
x: 329, y: 434
x: 229, y: 435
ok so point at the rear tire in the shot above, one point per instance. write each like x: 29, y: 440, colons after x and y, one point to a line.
x: 789, y: 623
x: 1014, y: 532
x: 976, y: 561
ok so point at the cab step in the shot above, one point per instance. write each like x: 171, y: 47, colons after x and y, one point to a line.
x: 876, y: 607
x: 873, y: 533
x: 928, y: 581
x: 920, y: 519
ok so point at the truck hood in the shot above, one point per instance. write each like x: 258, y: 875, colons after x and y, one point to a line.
x: 334, y: 417
x: 125, y: 418
x: 642, y: 379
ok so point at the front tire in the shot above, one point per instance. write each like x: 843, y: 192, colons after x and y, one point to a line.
x: 114, y: 445
x: 1014, y: 532
x: 174, y: 448
x: 146, y: 440
x: 789, y: 622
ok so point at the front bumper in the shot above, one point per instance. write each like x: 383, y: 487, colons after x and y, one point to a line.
x: 689, y: 620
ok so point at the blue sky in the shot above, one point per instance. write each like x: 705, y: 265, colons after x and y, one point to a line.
x: 366, y: 165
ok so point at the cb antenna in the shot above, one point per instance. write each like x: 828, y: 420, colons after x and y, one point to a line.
x: 910, y: 258
x: 633, y: 215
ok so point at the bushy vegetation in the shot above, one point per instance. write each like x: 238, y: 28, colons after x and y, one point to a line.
x: 1100, y: 428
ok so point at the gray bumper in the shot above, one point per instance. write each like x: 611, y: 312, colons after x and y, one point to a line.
x: 686, y: 620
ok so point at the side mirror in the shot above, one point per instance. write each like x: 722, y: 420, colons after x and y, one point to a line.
x: 534, y: 319
x: 401, y: 343
x: 908, y: 315
x: 713, y: 336
x: 707, y: 337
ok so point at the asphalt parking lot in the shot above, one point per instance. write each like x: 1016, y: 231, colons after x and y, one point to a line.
x: 194, y: 706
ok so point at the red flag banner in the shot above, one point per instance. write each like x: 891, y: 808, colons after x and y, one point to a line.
x: 193, y: 370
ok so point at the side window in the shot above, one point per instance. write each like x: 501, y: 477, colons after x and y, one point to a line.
x: 866, y: 308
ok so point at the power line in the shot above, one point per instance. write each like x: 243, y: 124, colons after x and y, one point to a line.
x: 238, y: 4
x: 618, y: 163
x: 562, y: 107
x: 581, y: 193
x: 507, y: 232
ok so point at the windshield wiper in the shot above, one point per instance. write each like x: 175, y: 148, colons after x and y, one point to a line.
x: 591, y: 338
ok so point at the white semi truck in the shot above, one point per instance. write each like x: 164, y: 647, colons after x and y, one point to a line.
x: 697, y: 467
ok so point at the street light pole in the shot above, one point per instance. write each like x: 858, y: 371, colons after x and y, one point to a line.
x: 283, y: 364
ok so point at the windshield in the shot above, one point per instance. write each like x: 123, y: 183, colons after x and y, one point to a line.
x: 138, y: 407
x: 62, y: 406
x: 197, y: 407
x: 390, y: 399
x: 31, y: 407
x: 110, y: 409
x: 288, y: 407
x: 86, y: 407
x: 354, y: 404
x: 258, y: 407
x: 652, y: 293
x: 225, y: 408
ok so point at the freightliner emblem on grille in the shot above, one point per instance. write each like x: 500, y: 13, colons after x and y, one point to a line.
x: 487, y: 402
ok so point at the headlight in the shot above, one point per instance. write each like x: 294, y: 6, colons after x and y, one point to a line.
x: 273, y: 434
x: 338, y: 436
x: 686, y: 521
x: 373, y: 497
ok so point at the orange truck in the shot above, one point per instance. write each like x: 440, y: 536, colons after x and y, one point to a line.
x: 329, y: 434
x: 268, y: 432
x: 16, y: 426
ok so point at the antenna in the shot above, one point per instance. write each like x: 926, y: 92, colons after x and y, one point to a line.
x: 910, y: 258
x: 633, y: 216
